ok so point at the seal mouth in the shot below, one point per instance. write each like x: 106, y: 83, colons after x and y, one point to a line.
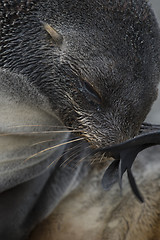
x: 125, y: 153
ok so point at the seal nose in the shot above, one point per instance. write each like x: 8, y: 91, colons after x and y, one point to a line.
x: 107, y: 139
x: 115, y: 135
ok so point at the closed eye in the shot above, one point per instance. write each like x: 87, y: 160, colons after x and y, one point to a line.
x: 92, y: 94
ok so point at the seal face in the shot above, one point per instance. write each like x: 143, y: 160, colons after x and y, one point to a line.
x: 105, y: 72
x: 91, y: 66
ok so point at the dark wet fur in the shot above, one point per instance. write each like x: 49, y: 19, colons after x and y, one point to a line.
x: 121, y: 60
x: 101, y: 80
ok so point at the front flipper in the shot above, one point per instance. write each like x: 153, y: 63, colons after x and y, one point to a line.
x: 111, y: 175
x: 127, y: 158
x: 149, y: 136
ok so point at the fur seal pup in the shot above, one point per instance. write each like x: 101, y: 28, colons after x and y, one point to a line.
x: 86, y: 66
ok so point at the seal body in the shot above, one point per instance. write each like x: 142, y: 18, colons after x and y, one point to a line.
x: 92, y: 213
x: 88, y: 66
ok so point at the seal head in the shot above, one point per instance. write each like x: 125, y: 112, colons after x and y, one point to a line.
x: 102, y: 78
x: 91, y: 65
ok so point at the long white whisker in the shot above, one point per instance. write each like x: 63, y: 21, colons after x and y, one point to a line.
x: 79, y: 160
x: 49, y: 140
x: 62, y: 155
x: 82, y: 159
x: 43, y: 125
x: 53, y: 147
x: 101, y: 160
x: 72, y: 155
x: 42, y: 132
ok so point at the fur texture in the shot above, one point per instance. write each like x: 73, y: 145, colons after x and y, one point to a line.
x: 101, y: 80
x: 92, y: 213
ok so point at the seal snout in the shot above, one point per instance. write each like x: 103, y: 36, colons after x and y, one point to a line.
x: 102, y: 135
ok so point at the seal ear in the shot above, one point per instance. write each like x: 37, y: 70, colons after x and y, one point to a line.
x: 56, y: 36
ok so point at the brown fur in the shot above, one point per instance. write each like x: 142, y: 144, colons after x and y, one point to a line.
x: 93, y: 214
x: 101, y: 80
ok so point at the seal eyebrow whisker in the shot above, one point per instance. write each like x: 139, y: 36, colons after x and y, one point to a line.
x: 50, y: 148
x: 56, y: 36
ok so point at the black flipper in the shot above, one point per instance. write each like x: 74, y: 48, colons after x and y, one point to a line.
x: 149, y: 136
x: 134, y: 186
x: 111, y: 175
